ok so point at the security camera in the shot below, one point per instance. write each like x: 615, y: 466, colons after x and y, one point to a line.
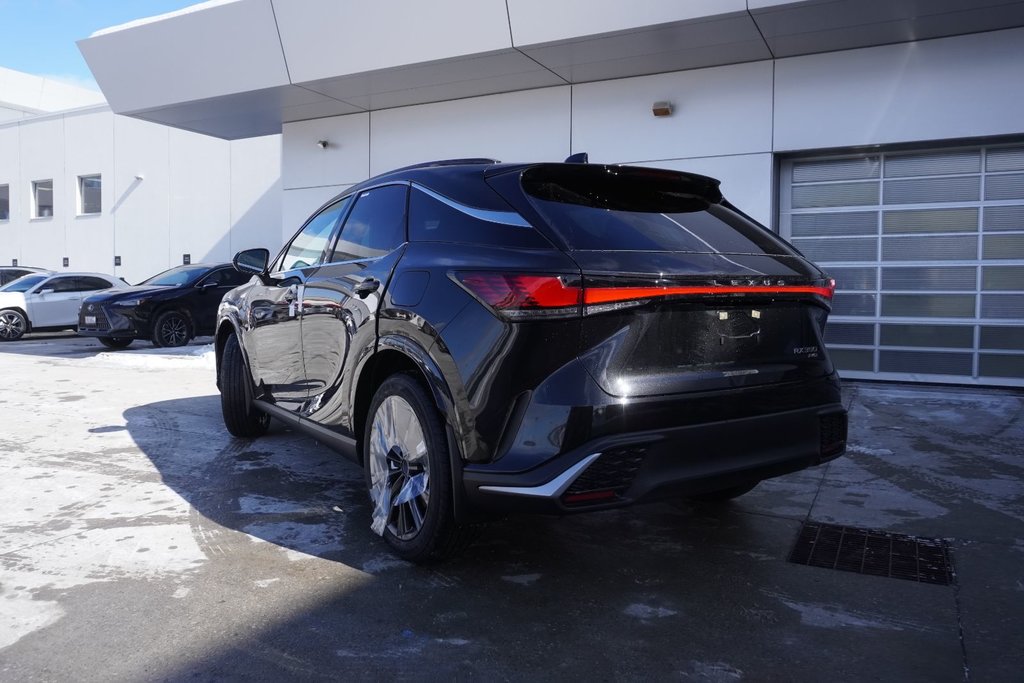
x: 322, y: 144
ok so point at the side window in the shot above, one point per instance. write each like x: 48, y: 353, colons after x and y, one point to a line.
x: 232, y: 278
x: 89, y: 284
x: 225, y: 277
x: 376, y: 225
x: 308, y: 246
x: 431, y: 220
x: 61, y: 284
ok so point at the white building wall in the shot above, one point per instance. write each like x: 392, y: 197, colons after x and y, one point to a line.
x: 728, y: 121
x: 961, y: 87
x: 88, y: 150
x: 165, y: 193
x: 255, y: 193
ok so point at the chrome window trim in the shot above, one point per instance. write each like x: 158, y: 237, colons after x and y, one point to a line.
x: 501, y: 217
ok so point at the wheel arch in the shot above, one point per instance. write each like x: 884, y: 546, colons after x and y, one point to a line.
x: 401, y: 354
x: 24, y: 314
x: 395, y: 355
x: 225, y: 330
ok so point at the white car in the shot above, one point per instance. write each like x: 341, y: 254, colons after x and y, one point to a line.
x: 47, y: 301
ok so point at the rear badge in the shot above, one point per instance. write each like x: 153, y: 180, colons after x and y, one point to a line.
x: 809, y: 351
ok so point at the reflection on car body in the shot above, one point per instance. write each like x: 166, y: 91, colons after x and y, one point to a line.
x: 485, y: 337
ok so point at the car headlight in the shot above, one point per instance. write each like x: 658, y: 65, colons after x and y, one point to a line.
x: 129, y: 303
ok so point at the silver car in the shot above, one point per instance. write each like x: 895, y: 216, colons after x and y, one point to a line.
x: 47, y: 301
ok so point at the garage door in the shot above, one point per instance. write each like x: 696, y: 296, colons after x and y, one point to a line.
x: 927, y: 248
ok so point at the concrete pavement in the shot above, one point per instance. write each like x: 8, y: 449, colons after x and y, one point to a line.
x: 139, y: 541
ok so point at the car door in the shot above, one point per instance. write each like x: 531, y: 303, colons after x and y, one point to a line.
x: 206, y: 294
x: 273, y: 311
x: 341, y: 298
x: 55, y: 302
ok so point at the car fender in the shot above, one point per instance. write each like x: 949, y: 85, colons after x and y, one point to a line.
x: 443, y: 398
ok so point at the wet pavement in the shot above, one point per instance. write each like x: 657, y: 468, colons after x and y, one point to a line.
x: 139, y: 541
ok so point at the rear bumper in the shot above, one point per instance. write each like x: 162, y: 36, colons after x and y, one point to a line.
x: 667, y: 463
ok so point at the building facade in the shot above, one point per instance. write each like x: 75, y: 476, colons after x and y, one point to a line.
x: 886, y: 140
x: 85, y: 189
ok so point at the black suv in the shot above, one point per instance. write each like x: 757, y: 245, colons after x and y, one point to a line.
x: 169, y: 309
x: 537, y: 337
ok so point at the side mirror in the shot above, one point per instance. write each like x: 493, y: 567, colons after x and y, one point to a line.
x: 251, y: 261
x: 47, y: 291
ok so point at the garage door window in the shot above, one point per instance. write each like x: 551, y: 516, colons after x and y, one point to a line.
x: 927, y: 248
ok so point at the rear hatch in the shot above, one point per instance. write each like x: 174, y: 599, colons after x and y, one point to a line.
x: 681, y: 292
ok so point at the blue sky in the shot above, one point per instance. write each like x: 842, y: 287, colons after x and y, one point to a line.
x: 38, y: 36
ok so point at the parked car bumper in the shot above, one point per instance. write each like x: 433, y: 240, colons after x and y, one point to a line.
x: 673, y: 462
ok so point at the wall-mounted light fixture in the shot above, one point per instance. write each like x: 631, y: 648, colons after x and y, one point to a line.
x: 322, y: 144
x: 662, y: 109
x: 139, y: 176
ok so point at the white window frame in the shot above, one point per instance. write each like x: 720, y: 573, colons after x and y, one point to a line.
x: 35, y: 199
x: 80, y: 204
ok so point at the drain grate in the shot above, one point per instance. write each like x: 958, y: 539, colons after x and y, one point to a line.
x: 878, y: 553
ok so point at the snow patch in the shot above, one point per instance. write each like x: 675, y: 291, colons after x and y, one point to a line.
x: 22, y: 615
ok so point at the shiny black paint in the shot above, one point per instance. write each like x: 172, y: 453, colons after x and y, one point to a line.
x: 523, y: 400
x: 200, y: 303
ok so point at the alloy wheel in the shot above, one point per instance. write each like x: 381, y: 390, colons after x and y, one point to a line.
x: 174, y: 331
x: 12, y: 325
x: 399, y: 469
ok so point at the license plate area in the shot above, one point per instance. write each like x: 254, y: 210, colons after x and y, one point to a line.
x: 90, y: 320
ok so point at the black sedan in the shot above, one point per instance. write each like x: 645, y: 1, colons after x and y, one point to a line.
x: 169, y: 309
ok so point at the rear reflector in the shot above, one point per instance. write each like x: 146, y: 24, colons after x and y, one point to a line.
x: 589, y: 497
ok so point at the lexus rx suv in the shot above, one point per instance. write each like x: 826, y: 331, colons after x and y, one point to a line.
x: 551, y: 338
x: 169, y: 309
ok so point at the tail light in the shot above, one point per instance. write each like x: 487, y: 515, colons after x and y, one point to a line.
x: 523, y: 296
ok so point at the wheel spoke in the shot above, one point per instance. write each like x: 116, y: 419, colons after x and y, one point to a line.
x: 399, y: 469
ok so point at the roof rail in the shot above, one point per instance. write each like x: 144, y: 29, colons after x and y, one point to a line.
x: 447, y: 162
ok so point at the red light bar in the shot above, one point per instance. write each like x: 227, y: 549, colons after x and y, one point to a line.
x: 606, y: 295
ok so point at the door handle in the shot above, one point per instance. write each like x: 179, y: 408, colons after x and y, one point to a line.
x: 366, y: 287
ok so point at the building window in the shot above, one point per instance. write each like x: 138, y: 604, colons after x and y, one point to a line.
x: 89, y: 201
x: 42, y: 198
x: 5, y: 202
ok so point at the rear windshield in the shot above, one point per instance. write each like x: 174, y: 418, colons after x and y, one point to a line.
x: 640, y: 210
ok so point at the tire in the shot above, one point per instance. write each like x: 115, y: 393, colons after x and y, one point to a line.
x: 724, y: 494
x: 241, y: 417
x: 405, y: 456
x: 116, y: 342
x: 13, y: 325
x: 171, y: 328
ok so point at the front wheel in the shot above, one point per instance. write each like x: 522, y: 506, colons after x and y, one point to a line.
x: 408, y: 473
x: 12, y: 325
x: 172, y: 328
x: 241, y: 417
x: 116, y: 342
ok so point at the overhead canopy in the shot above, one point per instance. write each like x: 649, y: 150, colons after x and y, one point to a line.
x: 241, y: 68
